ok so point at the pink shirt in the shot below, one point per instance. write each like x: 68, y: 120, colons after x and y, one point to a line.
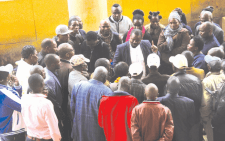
x: 39, y: 117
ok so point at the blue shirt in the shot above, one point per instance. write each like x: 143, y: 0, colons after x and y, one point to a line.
x: 9, y: 101
x: 85, y: 100
x: 199, y: 62
x: 209, y: 43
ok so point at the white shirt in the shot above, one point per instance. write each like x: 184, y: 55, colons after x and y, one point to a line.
x: 136, y: 56
x: 22, y: 74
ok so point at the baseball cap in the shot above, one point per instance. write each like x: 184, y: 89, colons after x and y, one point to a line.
x: 78, y: 59
x: 62, y: 30
x: 8, y: 68
x: 209, y: 58
x: 153, y: 60
x: 179, y: 61
x: 135, y: 69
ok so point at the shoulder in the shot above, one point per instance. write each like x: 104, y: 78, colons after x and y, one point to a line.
x: 147, y: 26
x: 145, y: 42
x: 186, y: 100
x: 123, y: 45
x: 184, y: 30
x: 162, y: 26
x: 127, y: 18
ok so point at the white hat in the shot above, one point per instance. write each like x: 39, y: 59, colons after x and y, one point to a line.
x: 76, y: 60
x: 174, y: 15
x: 153, y: 60
x: 62, y: 30
x: 135, y: 69
x: 179, y: 61
x: 209, y: 58
x: 8, y: 68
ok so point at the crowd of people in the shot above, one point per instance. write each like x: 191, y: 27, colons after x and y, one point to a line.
x: 124, y: 82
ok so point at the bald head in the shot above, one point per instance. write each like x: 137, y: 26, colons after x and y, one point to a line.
x: 65, y: 51
x: 190, y: 57
x: 116, y: 12
x: 37, y: 69
x: 49, y: 46
x: 216, y: 51
x: 52, y: 61
x: 104, y: 22
x: 206, y: 16
x: 173, y: 85
x: 124, y: 84
x: 151, y: 91
x: 100, y: 74
x: 102, y: 62
x: 36, y: 83
x: 206, y: 30
x: 104, y: 28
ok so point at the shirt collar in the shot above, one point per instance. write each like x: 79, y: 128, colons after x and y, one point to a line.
x: 65, y: 61
x: 4, y: 86
x: 134, y: 48
x: 151, y: 102
x: 37, y: 95
x: 116, y: 21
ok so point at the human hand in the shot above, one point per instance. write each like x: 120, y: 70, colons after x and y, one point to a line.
x: 154, y: 48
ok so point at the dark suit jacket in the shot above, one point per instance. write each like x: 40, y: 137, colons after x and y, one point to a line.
x: 63, y: 76
x: 83, y: 33
x: 123, y: 52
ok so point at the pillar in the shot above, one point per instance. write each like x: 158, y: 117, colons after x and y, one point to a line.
x: 90, y: 11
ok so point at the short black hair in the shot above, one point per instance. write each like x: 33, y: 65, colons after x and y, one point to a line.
x: 138, y: 15
x: 27, y: 51
x: 199, y: 43
x: 92, y: 36
x: 50, y: 59
x: 137, y: 32
x: 116, y: 5
x: 35, y: 81
x: 3, y: 75
x: 102, y: 62
x: 154, y: 14
x: 121, y: 69
x: 46, y: 42
x: 70, y: 21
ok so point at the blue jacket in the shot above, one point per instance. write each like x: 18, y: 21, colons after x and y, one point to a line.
x: 199, y: 62
x: 183, y: 112
x: 123, y: 52
x: 52, y: 82
x: 83, y: 33
x: 85, y: 100
x: 209, y: 43
x: 9, y: 101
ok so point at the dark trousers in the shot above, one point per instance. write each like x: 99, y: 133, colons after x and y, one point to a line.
x: 28, y: 139
x: 17, y: 137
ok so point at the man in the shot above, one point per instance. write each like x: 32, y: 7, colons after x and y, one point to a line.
x: 151, y: 120
x: 108, y: 36
x: 38, y: 113
x: 120, y: 24
x: 10, y: 101
x: 195, y: 46
x: 93, y: 49
x: 65, y: 52
x: 211, y: 82
x: 47, y: 46
x: 50, y: 95
x: 81, y: 31
x: 182, y: 108
x: 134, y: 51
x: 216, y: 51
x: 62, y: 35
x: 153, y: 62
x: 115, y: 112
x: 137, y: 87
x: 85, y: 99
x: 210, y: 41
x: 190, y: 69
x: 79, y: 64
x: 29, y: 58
x: 190, y: 87
x: 206, y: 16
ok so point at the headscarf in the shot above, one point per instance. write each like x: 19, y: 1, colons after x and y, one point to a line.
x: 169, y: 33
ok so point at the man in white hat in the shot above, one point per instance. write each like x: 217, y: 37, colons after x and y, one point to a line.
x: 153, y: 63
x: 62, y: 35
x: 137, y: 88
x: 211, y: 81
x: 190, y: 86
x: 10, y: 101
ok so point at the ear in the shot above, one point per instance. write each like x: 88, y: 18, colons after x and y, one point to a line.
x: 67, y: 55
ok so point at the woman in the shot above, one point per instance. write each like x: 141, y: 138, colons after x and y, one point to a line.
x: 138, y: 21
x: 75, y: 36
x: 154, y: 28
x: 173, y: 40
